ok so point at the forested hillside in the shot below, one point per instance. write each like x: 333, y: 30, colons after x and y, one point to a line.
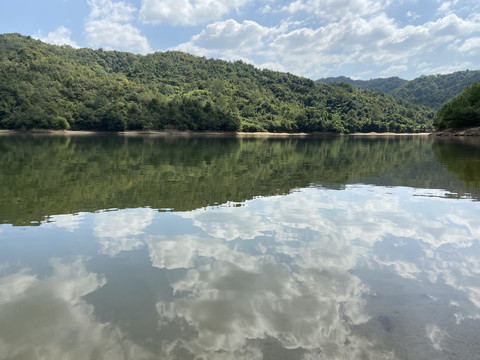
x: 432, y: 91
x: 461, y: 112
x: 46, y: 86
x: 386, y: 85
x: 436, y: 90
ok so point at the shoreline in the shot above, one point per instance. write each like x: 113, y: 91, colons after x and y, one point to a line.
x: 473, y: 131
x: 469, y: 132
x: 391, y: 134
x: 178, y: 133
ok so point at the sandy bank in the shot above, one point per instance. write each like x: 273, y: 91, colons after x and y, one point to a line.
x: 177, y: 133
x: 153, y: 133
x: 391, y: 134
x: 52, y: 132
x: 208, y: 134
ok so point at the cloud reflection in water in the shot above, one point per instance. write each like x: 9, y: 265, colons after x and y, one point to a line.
x: 47, y: 318
x: 367, y: 271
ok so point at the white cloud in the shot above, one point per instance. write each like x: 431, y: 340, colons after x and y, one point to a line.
x: 231, y: 40
x: 427, y: 68
x: 109, y: 26
x: 266, y: 9
x: 333, y: 10
x: 112, y: 35
x: 471, y: 45
x: 394, y: 70
x: 187, y: 12
x: 445, y: 7
x: 110, y: 10
x: 61, y: 36
x: 377, y: 41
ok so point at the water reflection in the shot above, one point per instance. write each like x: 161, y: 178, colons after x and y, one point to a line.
x: 460, y: 156
x: 47, y: 318
x: 119, y: 231
x: 334, y: 271
x: 48, y: 176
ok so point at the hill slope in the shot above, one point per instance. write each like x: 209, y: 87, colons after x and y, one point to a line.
x: 461, y: 112
x: 436, y: 90
x: 46, y: 86
x: 432, y: 91
x: 385, y: 85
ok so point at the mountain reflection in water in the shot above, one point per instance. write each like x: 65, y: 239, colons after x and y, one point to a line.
x: 334, y: 248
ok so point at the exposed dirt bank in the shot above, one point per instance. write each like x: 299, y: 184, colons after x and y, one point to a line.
x: 390, y: 134
x: 52, y: 132
x: 177, y: 133
x: 475, y: 131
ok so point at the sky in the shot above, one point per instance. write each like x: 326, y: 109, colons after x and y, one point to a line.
x: 363, y: 39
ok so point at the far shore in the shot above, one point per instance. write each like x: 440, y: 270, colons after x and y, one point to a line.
x: 391, y: 134
x: 178, y: 133
x: 473, y: 131
x: 234, y: 134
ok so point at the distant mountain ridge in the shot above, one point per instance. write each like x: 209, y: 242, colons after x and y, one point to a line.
x: 385, y: 85
x: 432, y: 90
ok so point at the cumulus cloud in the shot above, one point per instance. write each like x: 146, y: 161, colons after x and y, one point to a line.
x: 187, y: 12
x: 61, y: 36
x: 471, y: 45
x: 231, y: 40
x: 373, y: 41
x: 110, y: 10
x: 109, y: 26
x: 334, y: 9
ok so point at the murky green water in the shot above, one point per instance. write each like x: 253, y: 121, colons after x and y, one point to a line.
x: 326, y: 248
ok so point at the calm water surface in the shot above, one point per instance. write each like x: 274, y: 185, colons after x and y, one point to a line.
x: 327, y: 248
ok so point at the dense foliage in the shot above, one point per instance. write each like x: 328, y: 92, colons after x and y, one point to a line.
x: 461, y: 112
x: 385, y: 85
x: 46, y: 86
x: 432, y: 91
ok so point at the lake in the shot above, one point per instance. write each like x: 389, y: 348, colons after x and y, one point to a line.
x: 221, y: 248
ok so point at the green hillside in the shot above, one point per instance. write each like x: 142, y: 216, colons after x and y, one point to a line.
x: 461, y: 112
x: 436, y: 90
x: 386, y: 85
x: 46, y: 86
x: 432, y: 91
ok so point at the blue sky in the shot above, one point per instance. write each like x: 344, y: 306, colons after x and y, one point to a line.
x: 363, y: 39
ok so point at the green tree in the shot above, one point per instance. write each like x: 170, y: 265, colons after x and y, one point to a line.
x: 462, y: 111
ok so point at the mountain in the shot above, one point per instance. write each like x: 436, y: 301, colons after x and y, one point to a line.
x: 436, y: 90
x: 432, y: 90
x: 47, y: 86
x: 385, y: 85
